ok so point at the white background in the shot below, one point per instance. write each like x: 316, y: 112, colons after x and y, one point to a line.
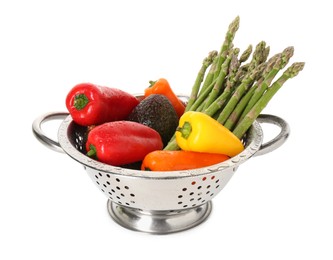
x: 277, y: 206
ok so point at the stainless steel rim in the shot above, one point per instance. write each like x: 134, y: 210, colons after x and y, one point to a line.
x: 253, y: 144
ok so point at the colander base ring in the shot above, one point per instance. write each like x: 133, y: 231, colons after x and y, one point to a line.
x: 158, y: 222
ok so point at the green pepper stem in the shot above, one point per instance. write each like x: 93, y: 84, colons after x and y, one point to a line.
x: 185, y: 130
x: 92, y: 152
x: 80, y: 101
x: 151, y: 83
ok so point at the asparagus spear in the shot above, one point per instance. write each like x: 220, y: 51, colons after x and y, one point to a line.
x: 246, y: 54
x: 275, y: 64
x: 218, y: 86
x: 232, y: 79
x: 195, y: 89
x: 201, y: 107
x: 209, y: 77
x: 202, y: 96
x: 239, y: 92
x: 259, y: 55
x: 172, y: 144
x: 227, y: 44
x: 234, y: 116
x: 265, y: 53
x: 247, y: 121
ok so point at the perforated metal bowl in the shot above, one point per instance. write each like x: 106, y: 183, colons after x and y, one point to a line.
x: 158, y: 202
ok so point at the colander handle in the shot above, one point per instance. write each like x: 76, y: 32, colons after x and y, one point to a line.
x: 41, y: 136
x: 279, y: 139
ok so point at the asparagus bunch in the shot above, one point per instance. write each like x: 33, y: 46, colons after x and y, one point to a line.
x: 234, y: 91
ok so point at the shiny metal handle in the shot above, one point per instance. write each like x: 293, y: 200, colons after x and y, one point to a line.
x: 279, y: 139
x: 41, y: 136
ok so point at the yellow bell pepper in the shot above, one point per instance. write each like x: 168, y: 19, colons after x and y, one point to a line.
x: 199, y: 132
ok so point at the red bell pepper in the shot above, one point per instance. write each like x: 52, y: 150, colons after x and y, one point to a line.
x: 122, y: 142
x: 90, y: 104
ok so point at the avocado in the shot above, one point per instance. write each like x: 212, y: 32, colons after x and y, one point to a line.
x: 157, y: 112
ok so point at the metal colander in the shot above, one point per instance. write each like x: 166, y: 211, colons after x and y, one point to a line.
x: 158, y: 202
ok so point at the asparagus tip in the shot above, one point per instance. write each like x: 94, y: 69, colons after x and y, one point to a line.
x: 246, y: 54
x: 294, y: 69
x: 209, y: 59
x: 286, y: 55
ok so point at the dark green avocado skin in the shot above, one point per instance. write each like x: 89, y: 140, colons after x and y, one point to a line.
x: 157, y: 112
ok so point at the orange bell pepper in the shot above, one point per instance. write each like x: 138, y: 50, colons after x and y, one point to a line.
x: 162, y: 87
x: 162, y: 160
